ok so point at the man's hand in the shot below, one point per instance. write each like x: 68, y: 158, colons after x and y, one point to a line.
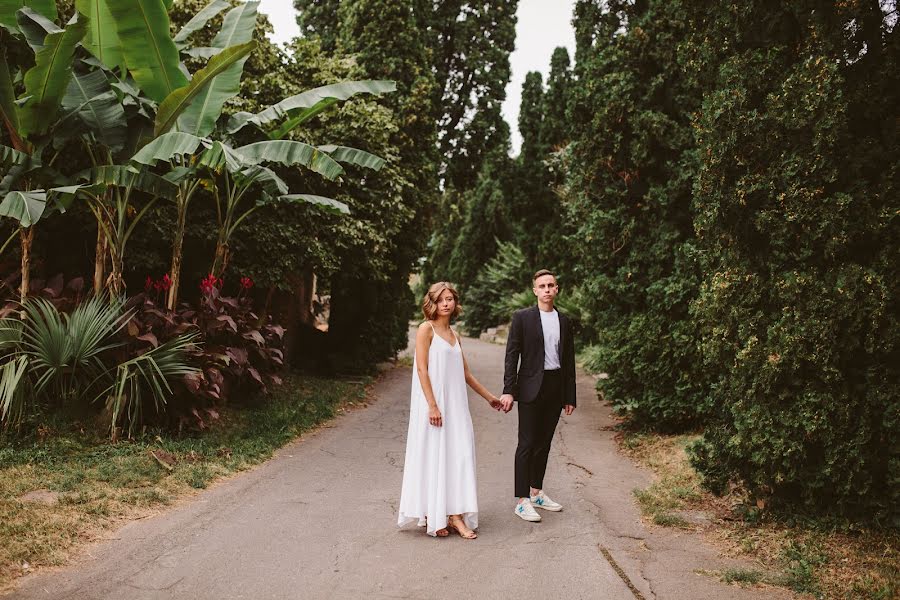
x: 506, y: 400
x: 569, y: 409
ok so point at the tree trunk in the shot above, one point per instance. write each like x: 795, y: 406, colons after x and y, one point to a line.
x: 221, y: 259
x: 26, y: 236
x: 101, y: 257
x: 296, y: 312
x: 177, y: 244
x: 116, y: 282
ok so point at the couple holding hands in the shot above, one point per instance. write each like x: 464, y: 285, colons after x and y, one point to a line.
x: 439, y: 489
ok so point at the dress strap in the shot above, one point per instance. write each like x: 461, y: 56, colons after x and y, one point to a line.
x: 432, y: 326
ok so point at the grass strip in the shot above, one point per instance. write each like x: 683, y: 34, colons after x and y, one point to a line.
x: 62, y: 486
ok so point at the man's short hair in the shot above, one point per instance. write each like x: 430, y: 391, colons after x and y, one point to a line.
x: 541, y: 273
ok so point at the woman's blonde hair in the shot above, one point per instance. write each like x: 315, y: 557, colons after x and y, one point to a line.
x: 429, y: 302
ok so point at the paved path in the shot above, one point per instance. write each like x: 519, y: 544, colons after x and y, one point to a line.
x: 318, y: 521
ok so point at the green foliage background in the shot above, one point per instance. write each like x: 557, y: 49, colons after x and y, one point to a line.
x: 717, y: 186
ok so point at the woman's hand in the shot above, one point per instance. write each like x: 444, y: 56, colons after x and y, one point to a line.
x: 495, y: 403
x: 434, y: 416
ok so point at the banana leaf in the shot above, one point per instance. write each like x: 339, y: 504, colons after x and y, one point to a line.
x: 289, y: 154
x: 91, y: 98
x: 10, y: 157
x: 330, y: 204
x: 237, y: 29
x: 199, y: 21
x: 352, y: 156
x: 8, y: 10
x: 9, y: 114
x: 25, y: 207
x: 35, y: 27
x: 200, y: 102
x: 102, y: 39
x: 46, y: 81
x: 168, y: 146
x: 150, y: 53
x: 304, y: 106
x: 125, y: 177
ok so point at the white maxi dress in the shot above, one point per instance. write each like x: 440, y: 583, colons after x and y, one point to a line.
x: 439, y: 470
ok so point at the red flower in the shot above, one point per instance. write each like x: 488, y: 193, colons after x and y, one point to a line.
x: 246, y: 283
x: 166, y: 282
x: 209, y: 283
x: 148, y: 284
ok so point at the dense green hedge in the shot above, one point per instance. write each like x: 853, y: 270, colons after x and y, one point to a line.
x: 796, y: 217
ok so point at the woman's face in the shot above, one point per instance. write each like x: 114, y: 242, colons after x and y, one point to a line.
x: 446, y: 303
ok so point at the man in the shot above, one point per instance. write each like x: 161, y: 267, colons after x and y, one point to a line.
x: 543, y: 383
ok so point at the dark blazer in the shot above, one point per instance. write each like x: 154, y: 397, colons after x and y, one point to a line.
x: 526, y: 341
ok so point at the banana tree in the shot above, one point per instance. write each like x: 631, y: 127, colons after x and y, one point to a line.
x: 142, y: 48
x: 27, y: 183
x: 111, y: 192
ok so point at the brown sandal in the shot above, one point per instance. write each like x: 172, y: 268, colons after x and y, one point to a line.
x: 466, y: 534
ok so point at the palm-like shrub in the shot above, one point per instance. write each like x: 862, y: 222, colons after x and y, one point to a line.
x: 77, y: 358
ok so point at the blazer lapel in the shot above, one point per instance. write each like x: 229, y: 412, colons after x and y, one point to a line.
x: 562, y: 334
x: 539, y: 329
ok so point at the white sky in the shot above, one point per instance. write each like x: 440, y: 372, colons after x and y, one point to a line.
x: 542, y: 26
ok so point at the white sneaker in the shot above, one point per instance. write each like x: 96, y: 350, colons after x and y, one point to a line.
x: 525, y: 511
x: 542, y: 500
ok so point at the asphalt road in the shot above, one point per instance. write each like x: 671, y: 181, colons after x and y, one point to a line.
x: 319, y: 521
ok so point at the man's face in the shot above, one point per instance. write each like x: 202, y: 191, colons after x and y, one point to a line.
x: 545, y: 288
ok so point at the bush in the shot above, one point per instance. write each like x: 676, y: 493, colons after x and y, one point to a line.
x: 503, y: 278
x: 630, y: 171
x: 78, y: 358
x: 796, y: 204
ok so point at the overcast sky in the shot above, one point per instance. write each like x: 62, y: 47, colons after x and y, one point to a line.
x: 542, y: 26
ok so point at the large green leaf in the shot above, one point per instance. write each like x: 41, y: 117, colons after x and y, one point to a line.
x: 35, y: 27
x: 330, y: 204
x: 125, y: 177
x: 290, y: 153
x: 24, y: 207
x: 91, y: 98
x: 167, y: 147
x: 237, y: 30
x: 8, y: 9
x: 9, y: 114
x: 352, y: 156
x: 302, y: 107
x: 10, y: 157
x: 199, y: 21
x: 220, y: 155
x: 150, y: 53
x: 102, y: 39
x: 200, y: 102
x: 46, y: 81
x: 272, y: 184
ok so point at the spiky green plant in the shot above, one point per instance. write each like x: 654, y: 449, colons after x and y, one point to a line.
x: 72, y: 358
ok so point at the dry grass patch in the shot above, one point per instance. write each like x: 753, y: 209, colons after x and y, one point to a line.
x: 814, y: 557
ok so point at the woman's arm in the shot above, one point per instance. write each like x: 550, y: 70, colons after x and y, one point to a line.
x: 473, y: 383
x: 423, y: 344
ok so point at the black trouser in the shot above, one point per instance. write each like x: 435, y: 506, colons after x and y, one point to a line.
x: 537, y: 423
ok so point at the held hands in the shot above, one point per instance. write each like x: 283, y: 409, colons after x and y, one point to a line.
x: 495, y: 402
x: 434, y: 416
x: 506, y: 402
x: 569, y: 409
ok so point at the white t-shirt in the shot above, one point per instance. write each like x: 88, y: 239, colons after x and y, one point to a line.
x: 550, y: 325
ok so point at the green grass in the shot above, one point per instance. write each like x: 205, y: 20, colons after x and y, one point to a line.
x: 813, y: 556
x: 100, y: 483
x: 743, y: 576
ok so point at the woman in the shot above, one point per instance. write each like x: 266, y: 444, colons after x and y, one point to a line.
x: 439, y: 472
